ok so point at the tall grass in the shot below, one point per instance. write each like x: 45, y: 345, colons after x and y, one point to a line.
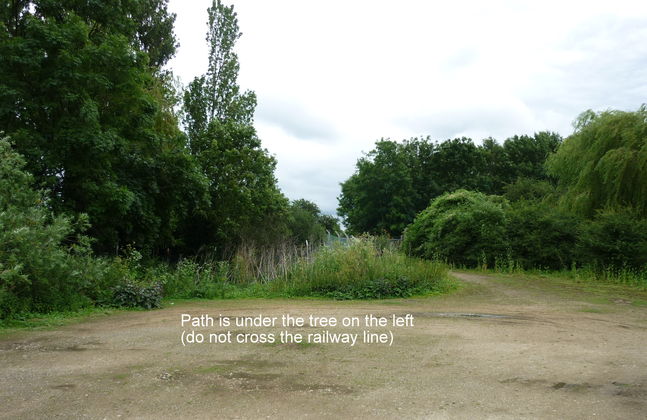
x: 363, y: 268
x: 366, y: 268
x: 627, y: 276
x: 624, y: 276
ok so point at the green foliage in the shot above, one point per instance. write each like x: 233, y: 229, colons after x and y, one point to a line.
x: 395, y: 181
x: 330, y: 224
x: 244, y: 201
x: 38, y: 272
x: 603, y: 164
x: 378, y: 198
x: 463, y: 227
x: 306, y: 223
x: 216, y: 95
x: 192, y: 280
x: 361, y: 271
x: 625, y: 276
x: 541, y: 236
x: 137, y: 295
x: 528, y: 189
x: 84, y: 101
x: 614, y: 239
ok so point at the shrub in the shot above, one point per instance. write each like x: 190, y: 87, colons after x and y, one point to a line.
x: 463, y: 227
x: 541, y: 236
x: 193, y: 280
x: 138, y: 295
x: 39, y: 271
x: 614, y: 239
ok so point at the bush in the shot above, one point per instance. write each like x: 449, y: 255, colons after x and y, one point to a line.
x: 614, y: 239
x: 138, y: 295
x: 192, y: 280
x: 361, y: 270
x: 463, y: 227
x: 39, y: 270
x: 541, y: 236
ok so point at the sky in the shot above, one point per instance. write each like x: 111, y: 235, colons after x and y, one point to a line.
x: 332, y: 77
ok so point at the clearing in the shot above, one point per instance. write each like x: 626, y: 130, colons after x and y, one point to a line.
x: 502, y: 347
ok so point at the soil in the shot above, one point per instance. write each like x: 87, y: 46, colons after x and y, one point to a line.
x: 499, y: 348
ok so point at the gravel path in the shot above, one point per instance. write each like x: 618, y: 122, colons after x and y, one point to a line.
x: 497, y: 349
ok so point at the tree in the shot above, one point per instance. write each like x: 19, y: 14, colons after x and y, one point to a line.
x: 527, y: 155
x: 216, y: 95
x: 91, y: 113
x: 37, y: 270
x: 330, y: 224
x: 244, y: 200
x: 304, y: 222
x: 603, y: 164
x: 395, y: 181
x: 379, y: 197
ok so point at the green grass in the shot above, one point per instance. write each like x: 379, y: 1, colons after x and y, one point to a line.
x: 582, y: 285
x: 363, y: 270
x: 52, y: 320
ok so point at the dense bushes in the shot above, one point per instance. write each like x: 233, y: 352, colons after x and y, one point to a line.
x: 46, y: 263
x: 541, y: 236
x: 464, y: 227
x: 614, y: 238
x: 37, y: 271
x: 472, y: 229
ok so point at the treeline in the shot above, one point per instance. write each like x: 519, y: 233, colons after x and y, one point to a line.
x: 395, y: 181
x: 532, y: 202
x: 106, y: 131
x: 107, y: 162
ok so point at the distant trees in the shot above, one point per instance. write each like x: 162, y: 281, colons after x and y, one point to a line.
x: 589, y: 207
x: 379, y: 197
x: 395, y: 181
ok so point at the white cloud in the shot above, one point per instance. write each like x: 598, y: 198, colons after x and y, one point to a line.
x: 332, y: 77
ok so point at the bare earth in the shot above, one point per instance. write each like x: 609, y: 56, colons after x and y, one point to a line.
x: 497, y: 349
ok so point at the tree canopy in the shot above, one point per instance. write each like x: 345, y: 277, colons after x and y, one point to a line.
x: 603, y: 164
x: 395, y: 181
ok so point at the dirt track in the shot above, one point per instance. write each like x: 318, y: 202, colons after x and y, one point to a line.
x: 498, y: 349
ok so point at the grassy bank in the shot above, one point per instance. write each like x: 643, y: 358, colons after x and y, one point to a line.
x: 367, y: 268
x: 364, y: 269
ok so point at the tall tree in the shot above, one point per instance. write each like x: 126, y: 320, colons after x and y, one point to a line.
x: 216, y: 95
x: 378, y: 198
x: 603, y: 164
x: 90, y: 112
x: 218, y: 121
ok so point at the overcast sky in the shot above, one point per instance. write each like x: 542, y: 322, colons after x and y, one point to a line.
x: 332, y: 77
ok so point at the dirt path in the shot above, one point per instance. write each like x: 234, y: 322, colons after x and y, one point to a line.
x: 497, y: 349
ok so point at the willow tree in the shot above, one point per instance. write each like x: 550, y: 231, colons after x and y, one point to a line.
x: 603, y: 164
